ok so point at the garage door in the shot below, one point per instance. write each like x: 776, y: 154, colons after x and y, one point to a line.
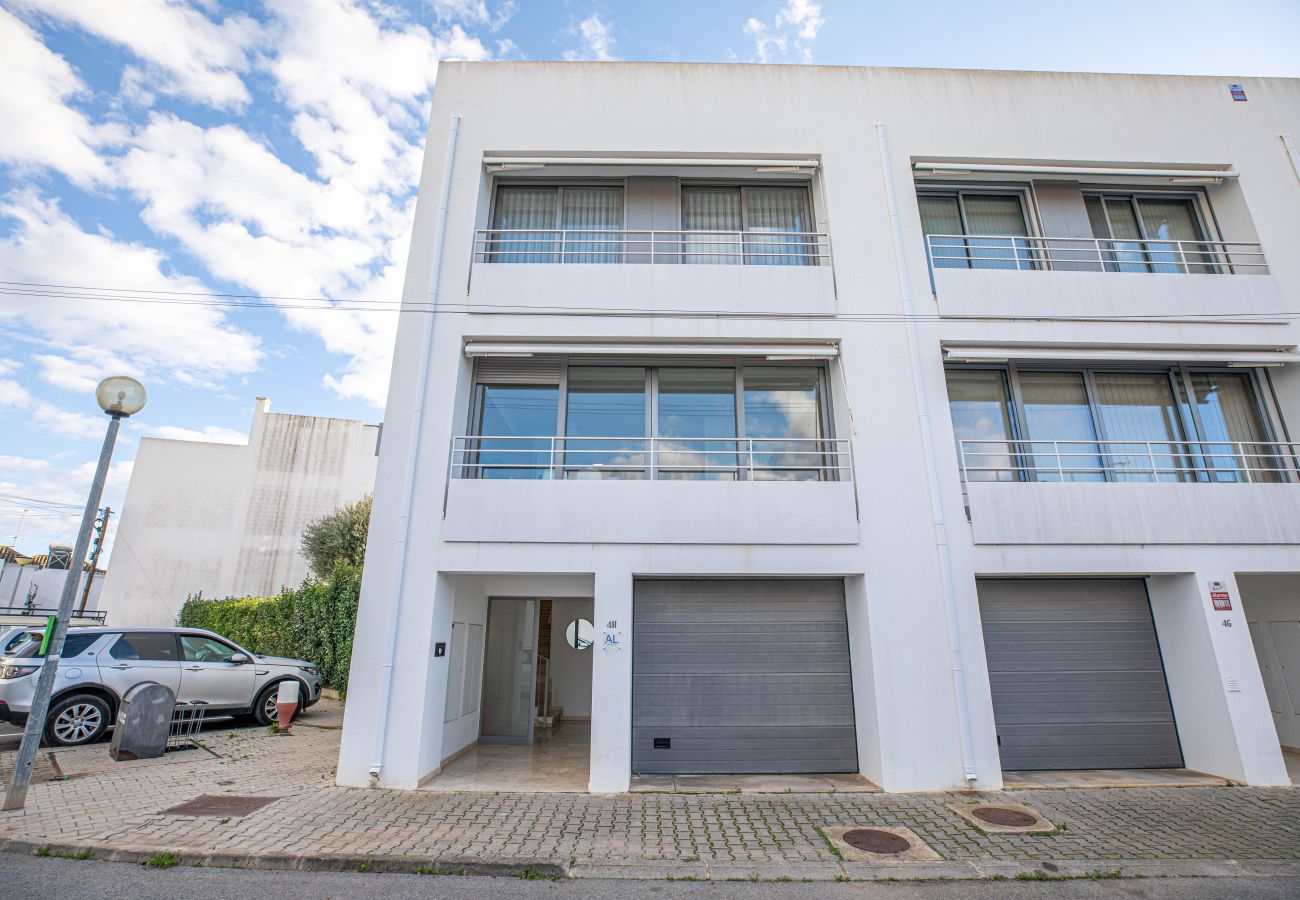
x: 1076, y: 675
x: 741, y: 676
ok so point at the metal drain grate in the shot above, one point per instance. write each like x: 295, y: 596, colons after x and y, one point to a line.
x: 1000, y: 815
x: 220, y: 805
x: 873, y: 840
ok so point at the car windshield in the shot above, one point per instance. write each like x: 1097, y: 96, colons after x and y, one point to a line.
x: 73, y: 645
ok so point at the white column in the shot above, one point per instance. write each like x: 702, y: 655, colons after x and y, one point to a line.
x: 611, y: 685
x: 1224, y: 722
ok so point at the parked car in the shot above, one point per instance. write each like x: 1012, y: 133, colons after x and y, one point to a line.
x: 100, y: 665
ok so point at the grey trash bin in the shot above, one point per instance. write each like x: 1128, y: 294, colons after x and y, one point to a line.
x: 143, y: 722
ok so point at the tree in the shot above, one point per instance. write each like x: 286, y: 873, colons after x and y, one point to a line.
x: 337, y: 537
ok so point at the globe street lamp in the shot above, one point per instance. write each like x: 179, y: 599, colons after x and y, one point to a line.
x: 119, y: 396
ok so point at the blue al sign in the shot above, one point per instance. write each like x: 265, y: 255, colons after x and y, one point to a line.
x: 613, y: 640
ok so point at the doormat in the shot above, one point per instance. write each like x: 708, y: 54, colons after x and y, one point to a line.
x: 220, y: 805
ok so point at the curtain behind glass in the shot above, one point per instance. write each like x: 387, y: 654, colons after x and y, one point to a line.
x: 772, y: 213
x: 711, y: 209
x: 1136, y: 407
x: 941, y: 214
x: 1174, y: 220
x: 1225, y: 403
x: 697, y: 408
x: 588, y: 217
x: 1056, y: 409
x: 783, y: 408
x: 1114, y: 221
x: 527, y: 215
x: 605, y: 422
x: 980, y: 409
x: 1000, y: 215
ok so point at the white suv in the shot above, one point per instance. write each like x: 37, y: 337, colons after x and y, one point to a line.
x: 101, y: 664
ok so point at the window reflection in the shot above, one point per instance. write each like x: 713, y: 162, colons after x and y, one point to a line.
x: 697, y: 407
x: 524, y: 417
x: 782, y: 411
x: 605, y: 422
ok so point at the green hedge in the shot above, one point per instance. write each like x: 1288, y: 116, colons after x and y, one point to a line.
x: 314, y: 622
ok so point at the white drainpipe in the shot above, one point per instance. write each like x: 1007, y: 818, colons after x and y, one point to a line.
x: 412, y: 461
x: 931, y: 465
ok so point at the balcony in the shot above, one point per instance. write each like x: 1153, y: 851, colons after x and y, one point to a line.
x: 1132, y: 492
x: 651, y: 490
x: 1059, y: 276
x: 654, y: 270
x: 34, y: 615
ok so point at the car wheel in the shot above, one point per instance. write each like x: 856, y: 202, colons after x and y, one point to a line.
x: 264, y: 710
x: 79, y: 719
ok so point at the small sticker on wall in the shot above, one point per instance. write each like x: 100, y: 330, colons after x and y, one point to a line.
x: 1238, y: 92
x: 1219, y: 596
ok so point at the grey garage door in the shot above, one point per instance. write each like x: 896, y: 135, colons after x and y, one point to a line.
x: 741, y: 676
x: 1076, y: 675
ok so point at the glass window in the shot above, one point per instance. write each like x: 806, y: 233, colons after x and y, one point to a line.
x: 994, y: 223
x: 605, y: 422
x: 980, y: 409
x: 527, y: 416
x: 775, y: 221
x: 1062, y: 439
x: 73, y: 645
x: 1136, y: 408
x: 198, y: 648
x: 524, y: 222
x: 783, y: 416
x: 711, y: 209
x: 1232, y: 425
x: 697, y: 409
x: 588, y: 215
x: 145, y: 645
x: 1149, y: 234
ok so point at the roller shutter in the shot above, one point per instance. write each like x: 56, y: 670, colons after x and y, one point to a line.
x: 1076, y: 675
x: 733, y: 676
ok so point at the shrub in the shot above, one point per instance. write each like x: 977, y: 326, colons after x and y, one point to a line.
x: 314, y: 622
x: 338, y: 536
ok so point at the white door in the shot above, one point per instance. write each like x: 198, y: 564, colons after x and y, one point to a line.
x: 1286, y: 641
x: 140, y: 657
x: 208, y: 675
x: 1267, y: 666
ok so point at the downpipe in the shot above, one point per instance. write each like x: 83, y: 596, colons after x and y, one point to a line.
x: 412, y: 463
x: 931, y: 464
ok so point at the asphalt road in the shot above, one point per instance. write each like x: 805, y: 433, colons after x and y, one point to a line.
x: 31, y: 877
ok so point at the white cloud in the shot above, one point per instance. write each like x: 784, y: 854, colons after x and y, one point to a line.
x: 215, y: 434
x: 22, y: 409
x: 9, y: 366
x: 69, y: 374
x: 597, y: 40
x: 68, y: 485
x: 41, y: 129
x: 182, y: 340
x: 794, y: 29
x: 184, y: 51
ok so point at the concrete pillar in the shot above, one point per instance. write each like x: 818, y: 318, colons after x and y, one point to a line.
x: 1224, y: 722
x: 611, y: 685
x: 865, y: 714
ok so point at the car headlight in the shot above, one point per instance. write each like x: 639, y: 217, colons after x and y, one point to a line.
x: 310, y: 670
x: 8, y: 672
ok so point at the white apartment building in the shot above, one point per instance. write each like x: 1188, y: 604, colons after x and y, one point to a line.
x: 921, y: 424
x: 226, y: 520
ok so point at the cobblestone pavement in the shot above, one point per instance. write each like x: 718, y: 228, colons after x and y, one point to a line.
x: 100, y: 803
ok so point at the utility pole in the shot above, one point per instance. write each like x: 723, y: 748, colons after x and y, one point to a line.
x: 101, y: 527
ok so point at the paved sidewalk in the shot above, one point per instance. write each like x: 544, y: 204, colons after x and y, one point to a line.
x: 117, y: 811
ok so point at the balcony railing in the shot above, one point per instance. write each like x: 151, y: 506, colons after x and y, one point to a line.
x: 97, y: 616
x: 1211, y: 462
x: 963, y: 251
x: 652, y: 458
x: 751, y: 248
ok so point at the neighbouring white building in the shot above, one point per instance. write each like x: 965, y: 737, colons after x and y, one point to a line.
x: 919, y: 424
x: 31, y: 586
x: 226, y: 520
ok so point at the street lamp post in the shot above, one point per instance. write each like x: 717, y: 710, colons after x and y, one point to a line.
x: 119, y: 397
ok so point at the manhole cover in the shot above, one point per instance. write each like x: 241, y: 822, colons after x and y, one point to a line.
x: 1000, y: 815
x: 873, y: 840
x: 226, y: 805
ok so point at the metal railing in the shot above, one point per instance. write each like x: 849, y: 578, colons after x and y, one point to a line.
x: 751, y: 248
x: 95, y: 615
x: 1213, y: 462
x: 653, y: 458
x: 965, y: 251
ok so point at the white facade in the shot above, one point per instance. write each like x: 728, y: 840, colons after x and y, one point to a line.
x: 906, y: 536
x: 226, y: 519
x: 44, y: 587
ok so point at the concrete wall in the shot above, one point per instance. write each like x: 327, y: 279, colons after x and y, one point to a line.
x: 902, y: 641
x: 16, y: 581
x: 227, y: 519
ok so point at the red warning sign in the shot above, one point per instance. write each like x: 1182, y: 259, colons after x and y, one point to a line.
x: 1221, y: 600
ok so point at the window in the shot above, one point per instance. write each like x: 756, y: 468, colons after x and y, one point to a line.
x: 198, y: 648
x: 1149, y: 233
x: 728, y: 421
x: 547, y: 224
x: 757, y: 226
x: 144, y: 646
x: 993, y: 221
x: 1111, y: 424
x: 73, y: 645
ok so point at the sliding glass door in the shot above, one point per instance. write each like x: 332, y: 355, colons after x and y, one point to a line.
x: 1143, y: 429
x: 696, y: 412
x: 605, y: 423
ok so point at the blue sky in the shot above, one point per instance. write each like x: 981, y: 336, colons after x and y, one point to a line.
x: 173, y: 149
